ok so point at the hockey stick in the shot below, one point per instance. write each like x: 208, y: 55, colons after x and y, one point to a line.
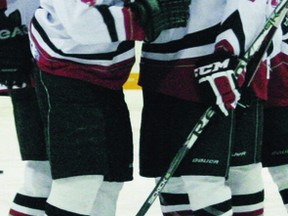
x: 258, y: 47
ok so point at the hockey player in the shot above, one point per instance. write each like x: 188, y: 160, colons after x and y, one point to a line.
x: 275, y: 140
x: 85, y: 51
x: 184, y: 71
x: 243, y: 180
x: 16, y: 70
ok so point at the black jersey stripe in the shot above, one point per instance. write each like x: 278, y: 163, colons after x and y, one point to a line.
x: 196, y: 39
x: 234, y: 22
x: 122, y: 48
x: 109, y: 21
x: 201, y: 38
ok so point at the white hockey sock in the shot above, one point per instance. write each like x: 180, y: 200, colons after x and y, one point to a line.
x: 279, y: 175
x: 208, y: 195
x: 106, y: 200
x: 37, y: 179
x: 174, y: 199
x: 247, y: 188
x: 75, y: 194
x: 31, y: 197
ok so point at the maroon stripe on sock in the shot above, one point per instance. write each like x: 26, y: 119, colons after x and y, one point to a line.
x: 16, y: 213
x: 257, y: 212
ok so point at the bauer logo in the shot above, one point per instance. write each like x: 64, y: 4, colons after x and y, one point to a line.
x: 17, y: 31
x: 239, y: 154
x: 281, y: 152
x: 205, y: 161
x: 215, y: 66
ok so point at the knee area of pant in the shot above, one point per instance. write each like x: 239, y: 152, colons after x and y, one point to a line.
x: 111, y: 187
x: 205, y: 191
x: 38, y: 173
x: 246, y: 179
x: 279, y: 175
x: 75, y: 194
x: 37, y: 179
x: 206, y: 185
x: 174, y: 185
x: 241, y: 173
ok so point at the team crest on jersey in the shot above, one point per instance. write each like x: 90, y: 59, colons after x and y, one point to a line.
x: 89, y: 2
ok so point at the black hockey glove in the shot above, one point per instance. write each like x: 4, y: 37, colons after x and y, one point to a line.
x: 145, y: 11
x: 174, y: 13
x: 158, y: 15
x: 220, y: 86
x: 15, y: 56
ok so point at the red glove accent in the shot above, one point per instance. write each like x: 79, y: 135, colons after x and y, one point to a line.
x: 216, y: 75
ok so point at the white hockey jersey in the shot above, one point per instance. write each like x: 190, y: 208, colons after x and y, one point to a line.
x: 167, y: 64
x: 26, y: 9
x: 85, y: 39
x: 278, y: 83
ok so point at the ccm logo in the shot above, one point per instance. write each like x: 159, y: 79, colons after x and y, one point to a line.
x: 17, y: 31
x: 215, y: 66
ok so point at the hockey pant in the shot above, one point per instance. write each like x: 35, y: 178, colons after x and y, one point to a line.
x: 245, y: 173
x: 275, y: 148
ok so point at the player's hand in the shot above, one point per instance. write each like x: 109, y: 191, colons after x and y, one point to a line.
x: 216, y: 75
x: 158, y: 15
x: 15, y: 55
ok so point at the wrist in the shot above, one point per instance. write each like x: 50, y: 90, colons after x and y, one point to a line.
x: 134, y: 31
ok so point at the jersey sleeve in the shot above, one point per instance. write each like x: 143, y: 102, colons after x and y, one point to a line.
x: 242, y: 21
x: 25, y: 7
x: 278, y: 84
x: 90, y: 22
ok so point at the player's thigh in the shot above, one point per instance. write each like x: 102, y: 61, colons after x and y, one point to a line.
x: 275, y: 136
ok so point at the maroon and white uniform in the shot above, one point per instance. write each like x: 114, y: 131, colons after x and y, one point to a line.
x: 278, y: 83
x: 30, y: 198
x: 275, y: 140
x: 100, y: 52
x: 176, y: 50
x: 91, y: 44
x: 168, y: 80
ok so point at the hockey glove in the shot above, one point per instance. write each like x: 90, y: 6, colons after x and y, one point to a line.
x: 174, y: 13
x: 15, y: 56
x: 158, y: 15
x: 216, y: 76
